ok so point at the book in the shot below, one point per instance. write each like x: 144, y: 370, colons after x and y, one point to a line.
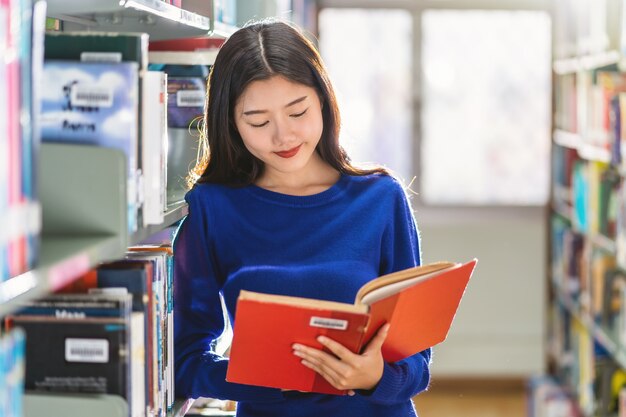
x: 94, y: 104
x: 12, y: 345
x: 98, y: 46
x: 185, y: 51
x: 154, y: 146
x: 205, y: 58
x: 419, y: 304
x: 77, y: 343
x: 185, y: 106
x: 111, y: 48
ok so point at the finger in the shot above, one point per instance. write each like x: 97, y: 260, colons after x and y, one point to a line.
x: 338, y: 349
x: 326, y: 372
x: 321, y: 360
x: 328, y: 366
x: 377, y: 342
x: 330, y: 375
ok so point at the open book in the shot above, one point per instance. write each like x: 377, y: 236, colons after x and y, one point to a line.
x: 419, y: 303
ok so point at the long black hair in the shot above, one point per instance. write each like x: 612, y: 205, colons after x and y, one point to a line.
x: 260, y: 51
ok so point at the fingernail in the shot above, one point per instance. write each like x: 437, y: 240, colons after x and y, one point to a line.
x: 321, y: 339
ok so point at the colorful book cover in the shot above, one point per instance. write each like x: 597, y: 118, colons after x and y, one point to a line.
x: 94, y: 104
x: 185, y: 106
x: 34, y: 51
x: 4, y: 153
x: 16, y: 239
x: 12, y: 346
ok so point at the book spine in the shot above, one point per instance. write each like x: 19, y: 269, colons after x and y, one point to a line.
x: 154, y: 146
x: 4, y: 144
x: 12, y: 347
x: 20, y: 222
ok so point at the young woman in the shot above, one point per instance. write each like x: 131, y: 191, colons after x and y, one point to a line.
x: 277, y: 207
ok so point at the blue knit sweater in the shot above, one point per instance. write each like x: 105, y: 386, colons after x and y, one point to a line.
x: 320, y: 246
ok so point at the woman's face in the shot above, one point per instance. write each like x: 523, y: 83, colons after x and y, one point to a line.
x: 280, y: 123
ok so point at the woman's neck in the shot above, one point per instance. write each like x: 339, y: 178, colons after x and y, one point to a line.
x: 315, y: 179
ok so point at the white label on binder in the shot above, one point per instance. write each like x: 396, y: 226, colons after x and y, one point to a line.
x: 87, y: 350
x: 327, y: 323
x: 190, y: 98
x: 101, y: 56
x: 91, y: 96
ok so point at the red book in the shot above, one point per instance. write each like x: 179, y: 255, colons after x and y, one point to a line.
x: 419, y: 303
x: 186, y: 44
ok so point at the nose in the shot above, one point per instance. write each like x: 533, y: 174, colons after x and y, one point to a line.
x: 283, y: 132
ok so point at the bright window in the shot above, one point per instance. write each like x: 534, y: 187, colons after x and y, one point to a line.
x: 369, y: 56
x: 486, y: 107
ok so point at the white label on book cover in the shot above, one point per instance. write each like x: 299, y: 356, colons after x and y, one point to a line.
x: 326, y: 323
x: 87, y: 350
x: 101, y: 56
x: 91, y: 96
x: 190, y: 98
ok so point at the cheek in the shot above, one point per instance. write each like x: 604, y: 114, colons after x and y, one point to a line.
x: 253, y: 140
x: 315, y: 130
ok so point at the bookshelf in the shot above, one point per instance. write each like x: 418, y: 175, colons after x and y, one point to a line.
x: 82, y: 191
x: 155, y: 17
x: 586, y: 337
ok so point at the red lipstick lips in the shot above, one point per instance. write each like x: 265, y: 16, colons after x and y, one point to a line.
x: 289, y: 153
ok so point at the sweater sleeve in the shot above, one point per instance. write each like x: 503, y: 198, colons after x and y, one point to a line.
x: 198, y: 316
x: 401, y: 249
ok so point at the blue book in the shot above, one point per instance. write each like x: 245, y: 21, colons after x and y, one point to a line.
x: 94, y: 104
x: 185, y: 104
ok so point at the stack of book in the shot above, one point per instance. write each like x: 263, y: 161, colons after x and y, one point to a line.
x: 187, y: 63
x: 97, y: 91
x: 109, y: 332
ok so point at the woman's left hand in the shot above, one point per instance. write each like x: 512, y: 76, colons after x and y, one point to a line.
x: 346, y: 370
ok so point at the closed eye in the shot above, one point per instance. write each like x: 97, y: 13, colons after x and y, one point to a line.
x: 299, y: 114
x: 259, y: 125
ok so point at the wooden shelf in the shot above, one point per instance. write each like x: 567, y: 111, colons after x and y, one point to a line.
x: 157, y: 18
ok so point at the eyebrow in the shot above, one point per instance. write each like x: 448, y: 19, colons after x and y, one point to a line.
x: 293, y: 103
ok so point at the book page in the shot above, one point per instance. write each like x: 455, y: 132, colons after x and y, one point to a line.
x: 416, y: 273
x: 301, y: 301
x: 393, y: 283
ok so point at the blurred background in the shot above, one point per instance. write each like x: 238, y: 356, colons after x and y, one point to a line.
x: 502, y: 117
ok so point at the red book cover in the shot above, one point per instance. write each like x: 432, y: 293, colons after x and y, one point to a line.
x: 419, y: 303
x: 264, y: 332
x: 420, y: 315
